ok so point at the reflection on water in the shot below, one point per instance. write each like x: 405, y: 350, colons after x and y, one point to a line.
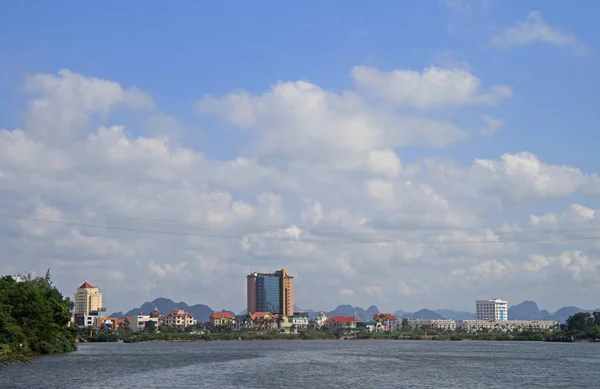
x: 314, y: 364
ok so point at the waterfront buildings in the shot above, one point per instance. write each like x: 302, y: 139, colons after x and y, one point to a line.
x: 300, y: 320
x: 108, y: 323
x: 139, y: 322
x: 341, y: 321
x: 87, y: 299
x: 86, y: 321
x: 270, y: 292
x: 221, y: 318
x: 496, y: 309
x: 320, y: 320
x: 384, y: 321
x: 438, y: 324
x: 179, y: 318
x: 506, y: 325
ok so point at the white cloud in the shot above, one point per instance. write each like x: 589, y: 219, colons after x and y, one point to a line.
x: 523, y: 177
x: 323, y: 189
x: 65, y: 102
x: 535, y: 30
x: 434, y: 87
x: 299, y: 119
x: 384, y: 162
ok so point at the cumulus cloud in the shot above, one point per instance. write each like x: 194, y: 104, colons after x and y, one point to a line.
x: 434, y: 87
x: 64, y: 103
x: 325, y: 187
x: 523, y: 177
x: 535, y: 30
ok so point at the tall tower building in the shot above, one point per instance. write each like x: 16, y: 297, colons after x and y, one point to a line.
x: 271, y: 292
x: 87, y: 298
x: 491, y: 309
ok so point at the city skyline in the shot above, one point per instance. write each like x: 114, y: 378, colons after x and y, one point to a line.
x: 485, y: 309
x: 409, y: 155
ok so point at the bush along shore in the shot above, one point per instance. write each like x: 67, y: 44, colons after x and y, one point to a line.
x: 580, y: 327
x: 34, y: 319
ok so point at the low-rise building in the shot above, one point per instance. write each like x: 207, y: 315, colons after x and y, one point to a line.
x: 437, y: 324
x: 320, y: 320
x: 139, y: 322
x: 86, y: 321
x: 284, y: 324
x: 506, y: 325
x: 108, y: 323
x: 221, y: 319
x: 341, y: 321
x: 180, y: 319
x: 368, y: 325
x: 300, y: 320
x: 383, y: 322
x: 241, y: 323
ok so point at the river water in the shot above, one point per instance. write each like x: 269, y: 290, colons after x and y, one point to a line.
x: 314, y: 364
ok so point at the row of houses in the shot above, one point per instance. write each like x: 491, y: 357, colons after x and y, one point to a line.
x: 263, y: 321
x: 384, y: 322
x: 178, y: 318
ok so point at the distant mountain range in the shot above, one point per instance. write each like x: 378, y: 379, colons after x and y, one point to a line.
x: 200, y: 312
x: 527, y: 310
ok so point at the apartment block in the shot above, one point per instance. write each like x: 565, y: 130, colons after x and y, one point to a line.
x: 506, y: 325
x: 87, y: 299
x: 496, y: 309
x: 438, y: 324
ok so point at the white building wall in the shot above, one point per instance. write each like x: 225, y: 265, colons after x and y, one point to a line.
x: 491, y: 309
x: 138, y: 323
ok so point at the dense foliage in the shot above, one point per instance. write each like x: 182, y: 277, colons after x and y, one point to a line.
x: 34, y: 318
x: 582, y: 325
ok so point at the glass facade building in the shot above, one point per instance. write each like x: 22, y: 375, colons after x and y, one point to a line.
x: 269, y: 294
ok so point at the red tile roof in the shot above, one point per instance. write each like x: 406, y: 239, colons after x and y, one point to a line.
x: 341, y: 319
x: 222, y: 315
x: 86, y: 285
x: 384, y: 316
x: 257, y: 315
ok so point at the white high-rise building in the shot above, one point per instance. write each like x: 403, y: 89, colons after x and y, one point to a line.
x: 491, y: 309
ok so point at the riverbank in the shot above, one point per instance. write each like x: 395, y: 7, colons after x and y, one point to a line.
x: 245, y: 337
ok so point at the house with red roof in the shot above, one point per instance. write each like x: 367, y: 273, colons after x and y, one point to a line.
x: 221, y: 319
x: 179, y: 319
x: 384, y: 322
x: 341, y: 321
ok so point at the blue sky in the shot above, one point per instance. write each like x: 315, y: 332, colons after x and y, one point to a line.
x: 180, y: 54
x: 177, y: 53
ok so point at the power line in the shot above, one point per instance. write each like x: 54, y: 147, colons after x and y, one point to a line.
x: 214, y: 226
x: 206, y: 234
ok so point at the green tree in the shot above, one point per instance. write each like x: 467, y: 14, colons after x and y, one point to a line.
x: 580, y: 322
x: 150, y: 326
x: 597, y: 317
x: 405, y: 325
x: 34, y: 316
